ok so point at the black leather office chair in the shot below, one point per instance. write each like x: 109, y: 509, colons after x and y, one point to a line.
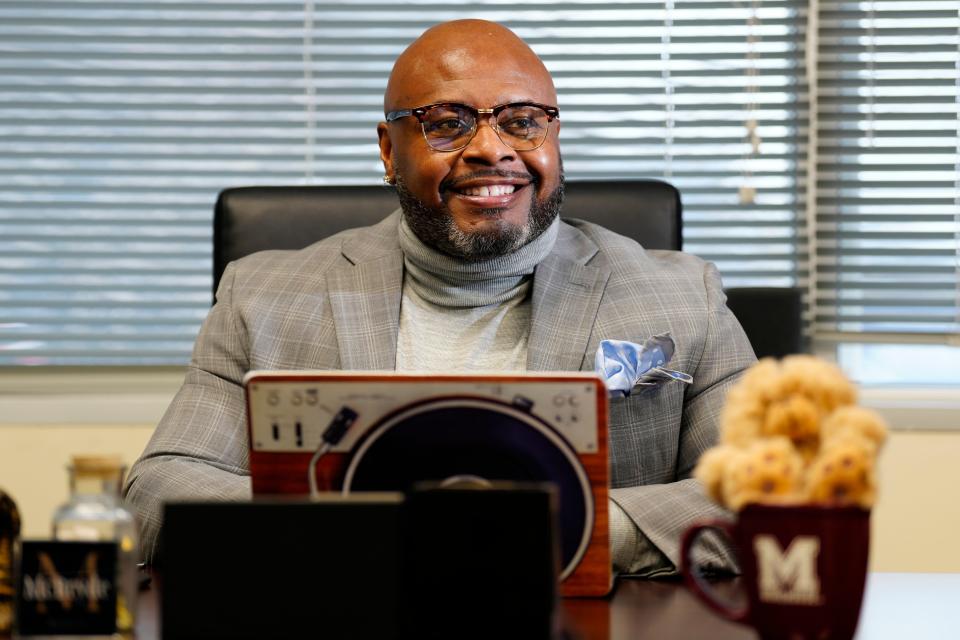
x: 250, y: 219
x: 772, y: 318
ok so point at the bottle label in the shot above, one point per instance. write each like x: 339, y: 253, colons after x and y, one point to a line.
x: 6, y: 567
x: 67, y: 588
x: 6, y: 584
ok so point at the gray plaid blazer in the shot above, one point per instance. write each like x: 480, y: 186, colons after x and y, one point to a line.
x: 336, y: 305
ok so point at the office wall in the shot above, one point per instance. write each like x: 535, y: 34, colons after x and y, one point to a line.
x: 33, y: 461
x: 914, y: 524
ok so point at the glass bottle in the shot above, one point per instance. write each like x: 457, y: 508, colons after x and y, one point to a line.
x: 95, y: 512
x: 9, y: 532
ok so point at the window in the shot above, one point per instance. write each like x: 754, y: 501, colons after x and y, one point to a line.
x: 888, y: 194
x: 122, y: 120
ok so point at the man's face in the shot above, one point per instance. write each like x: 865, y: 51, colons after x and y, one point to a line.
x: 486, y: 199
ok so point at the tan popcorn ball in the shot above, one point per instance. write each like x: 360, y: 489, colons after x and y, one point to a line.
x: 788, y: 398
x: 768, y: 471
x: 855, y: 422
x: 844, y: 473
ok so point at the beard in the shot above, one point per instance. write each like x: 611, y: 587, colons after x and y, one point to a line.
x: 436, y: 228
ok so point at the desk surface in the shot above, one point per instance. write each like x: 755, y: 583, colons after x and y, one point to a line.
x: 924, y: 606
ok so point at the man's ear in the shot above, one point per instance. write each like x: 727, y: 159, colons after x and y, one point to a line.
x: 386, y: 151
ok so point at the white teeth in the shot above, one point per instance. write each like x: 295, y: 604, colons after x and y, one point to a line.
x: 491, y: 190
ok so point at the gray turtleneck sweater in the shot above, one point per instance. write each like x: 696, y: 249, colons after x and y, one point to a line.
x: 457, y: 316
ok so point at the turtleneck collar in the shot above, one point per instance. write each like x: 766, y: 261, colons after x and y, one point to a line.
x: 449, y: 282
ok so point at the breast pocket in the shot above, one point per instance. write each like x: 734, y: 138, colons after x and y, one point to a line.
x: 644, y: 432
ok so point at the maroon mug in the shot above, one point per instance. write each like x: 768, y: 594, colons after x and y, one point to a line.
x: 803, y: 568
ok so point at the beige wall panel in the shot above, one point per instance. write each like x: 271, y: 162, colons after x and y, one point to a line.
x: 33, y: 460
x: 914, y: 525
x: 917, y: 517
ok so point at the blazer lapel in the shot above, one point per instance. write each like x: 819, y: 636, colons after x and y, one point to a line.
x: 566, y: 296
x: 365, y: 302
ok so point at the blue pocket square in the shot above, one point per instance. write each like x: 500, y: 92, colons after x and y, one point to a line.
x: 625, y: 365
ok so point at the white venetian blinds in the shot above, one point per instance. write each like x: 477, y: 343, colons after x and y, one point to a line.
x: 889, y: 163
x: 121, y: 120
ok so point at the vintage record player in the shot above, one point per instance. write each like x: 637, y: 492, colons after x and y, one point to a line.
x: 365, y: 431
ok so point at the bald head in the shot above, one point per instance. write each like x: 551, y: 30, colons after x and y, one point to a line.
x: 460, y: 52
x: 486, y: 197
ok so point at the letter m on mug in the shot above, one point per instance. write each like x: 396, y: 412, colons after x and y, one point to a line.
x: 788, y: 577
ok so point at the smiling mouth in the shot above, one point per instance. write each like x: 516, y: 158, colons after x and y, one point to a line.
x: 487, y: 184
x: 489, y: 190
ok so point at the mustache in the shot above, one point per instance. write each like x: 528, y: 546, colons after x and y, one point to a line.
x: 453, y: 183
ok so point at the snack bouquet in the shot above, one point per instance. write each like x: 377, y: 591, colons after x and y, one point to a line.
x: 792, y: 433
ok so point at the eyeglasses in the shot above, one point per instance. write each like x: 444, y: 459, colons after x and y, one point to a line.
x: 449, y: 126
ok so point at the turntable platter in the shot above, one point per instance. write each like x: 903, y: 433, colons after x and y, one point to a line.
x: 481, y: 439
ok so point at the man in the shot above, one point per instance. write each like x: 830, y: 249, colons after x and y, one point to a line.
x: 477, y: 273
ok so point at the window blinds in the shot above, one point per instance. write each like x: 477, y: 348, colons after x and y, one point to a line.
x: 888, y: 228
x: 120, y: 121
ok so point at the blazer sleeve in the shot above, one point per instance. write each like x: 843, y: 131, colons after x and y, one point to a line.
x: 663, y: 512
x: 199, y: 449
